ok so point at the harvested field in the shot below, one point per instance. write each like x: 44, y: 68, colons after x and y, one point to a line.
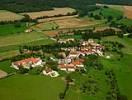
x: 128, y: 11
x: 2, y: 74
x: 9, y: 16
x: 56, y: 11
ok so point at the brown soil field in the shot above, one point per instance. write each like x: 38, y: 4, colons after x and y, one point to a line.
x: 9, y: 16
x: 50, y: 13
x: 128, y: 11
x: 2, y: 74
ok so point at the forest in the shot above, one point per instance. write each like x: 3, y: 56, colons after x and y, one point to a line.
x: 39, y: 5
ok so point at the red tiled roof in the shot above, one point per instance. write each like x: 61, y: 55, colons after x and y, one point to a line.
x: 26, y: 61
x: 67, y: 66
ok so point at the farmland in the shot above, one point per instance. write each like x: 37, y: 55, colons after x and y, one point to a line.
x: 47, y: 31
x: 30, y: 87
x: 128, y: 11
x: 9, y: 44
x: 50, y: 13
x: 9, y: 16
x: 9, y: 29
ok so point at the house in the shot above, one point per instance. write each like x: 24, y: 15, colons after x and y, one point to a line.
x: 67, y: 67
x: 71, y: 67
x: 74, y: 54
x: 27, y: 63
x: 65, y: 40
x: 49, y: 72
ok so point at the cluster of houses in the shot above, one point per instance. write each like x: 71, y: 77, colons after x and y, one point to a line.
x: 73, y: 62
x: 69, y: 63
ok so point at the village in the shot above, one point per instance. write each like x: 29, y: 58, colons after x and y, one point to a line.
x: 69, y: 63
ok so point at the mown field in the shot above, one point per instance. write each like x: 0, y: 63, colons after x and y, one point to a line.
x: 29, y: 87
x: 9, y: 16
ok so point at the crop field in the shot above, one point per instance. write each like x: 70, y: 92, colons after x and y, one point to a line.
x: 128, y: 11
x: 9, y: 16
x: 55, y: 11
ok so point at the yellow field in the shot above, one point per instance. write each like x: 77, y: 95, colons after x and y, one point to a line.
x: 50, y: 13
x: 9, y: 16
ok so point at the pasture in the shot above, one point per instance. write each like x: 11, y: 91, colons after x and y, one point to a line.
x: 121, y: 68
x: 9, y: 44
x: 106, y: 12
x: 31, y: 87
x: 50, y: 13
x: 9, y: 29
x: 9, y: 16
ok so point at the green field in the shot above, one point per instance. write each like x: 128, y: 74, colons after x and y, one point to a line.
x: 9, y: 44
x: 5, y: 66
x: 121, y: 68
x: 28, y: 87
x: 106, y: 12
x: 8, y: 29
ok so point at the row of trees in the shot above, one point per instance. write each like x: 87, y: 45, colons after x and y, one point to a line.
x: 60, y: 15
x: 114, y: 93
x: 49, y: 48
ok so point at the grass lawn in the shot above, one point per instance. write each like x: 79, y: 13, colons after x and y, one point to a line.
x: 127, y: 42
x: 9, y: 44
x: 5, y: 66
x: 30, y: 87
x: 122, y: 68
x: 7, y: 29
x: 75, y: 93
x: 123, y: 71
x: 71, y: 36
x: 127, y: 22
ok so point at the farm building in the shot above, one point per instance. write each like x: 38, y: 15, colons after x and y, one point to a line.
x: 27, y: 63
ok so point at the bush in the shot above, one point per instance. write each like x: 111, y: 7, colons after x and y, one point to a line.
x: 35, y: 71
x: 23, y: 70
